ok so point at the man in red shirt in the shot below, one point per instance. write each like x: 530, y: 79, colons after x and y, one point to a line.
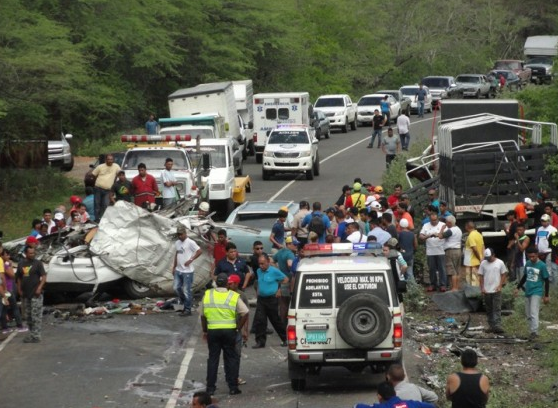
x: 393, y: 199
x: 144, y: 187
x: 549, y: 209
x: 220, y: 247
x: 522, y: 208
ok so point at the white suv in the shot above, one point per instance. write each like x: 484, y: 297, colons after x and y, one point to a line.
x: 339, y: 109
x: 291, y: 149
x: 344, y: 312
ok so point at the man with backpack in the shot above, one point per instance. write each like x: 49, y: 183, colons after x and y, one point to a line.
x: 317, y: 222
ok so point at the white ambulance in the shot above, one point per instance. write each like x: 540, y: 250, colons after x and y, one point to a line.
x: 271, y: 109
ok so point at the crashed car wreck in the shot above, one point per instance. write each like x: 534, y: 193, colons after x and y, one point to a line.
x: 131, y: 249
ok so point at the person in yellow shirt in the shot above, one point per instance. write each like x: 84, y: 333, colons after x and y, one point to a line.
x: 358, y: 198
x: 104, y: 174
x: 473, y: 254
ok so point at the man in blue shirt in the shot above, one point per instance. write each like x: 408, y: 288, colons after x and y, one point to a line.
x: 277, y: 236
x: 267, y: 305
x: 284, y: 259
x: 388, y: 399
x: 384, y: 105
x: 231, y: 264
x: 151, y: 126
x: 421, y: 98
x: 314, y: 225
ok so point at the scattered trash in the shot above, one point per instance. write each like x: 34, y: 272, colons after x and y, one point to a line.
x: 552, y: 327
x: 425, y: 349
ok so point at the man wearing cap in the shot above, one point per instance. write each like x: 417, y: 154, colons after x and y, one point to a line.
x: 144, y: 187
x: 267, y: 307
x: 492, y: 277
x: 542, y: 242
x: 59, y: 223
x: 121, y: 189
x: 357, y: 197
x: 219, y: 313
x: 168, y: 180
x: 451, y: 234
x: 435, y: 255
x: 522, y: 208
x: 187, y: 251
x: 231, y: 264
x: 300, y: 233
x: 284, y: 259
x: 104, y: 174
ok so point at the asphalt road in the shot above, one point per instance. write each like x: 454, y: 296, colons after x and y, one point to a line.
x: 159, y: 360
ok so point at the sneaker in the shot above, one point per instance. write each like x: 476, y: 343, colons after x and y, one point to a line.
x: 241, y: 381
x: 186, y: 313
x: 369, y: 147
x: 235, y: 391
x: 442, y: 289
x: 22, y: 329
x: 6, y: 331
x: 31, y: 340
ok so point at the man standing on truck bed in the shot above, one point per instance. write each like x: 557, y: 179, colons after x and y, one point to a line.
x: 169, y: 184
x: 151, y: 126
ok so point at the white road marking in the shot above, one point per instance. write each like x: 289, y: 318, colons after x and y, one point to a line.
x: 8, y: 339
x: 290, y: 183
x: 179, y: 382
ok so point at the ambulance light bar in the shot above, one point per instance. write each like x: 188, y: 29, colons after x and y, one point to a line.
x: 155, y: 138
x: 373, y: 248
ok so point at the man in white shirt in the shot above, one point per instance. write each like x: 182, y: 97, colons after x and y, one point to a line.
x: 403, y: 124
x: 297, y: 231
x: 451, y: 235
x: 541, y: 240
x: 169, y: 184
x: 492, y: 276
x: 435, y: 254
x: 353, y: 233
x: 187, y: 251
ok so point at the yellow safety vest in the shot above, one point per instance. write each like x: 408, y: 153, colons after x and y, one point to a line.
x: 219, y: 309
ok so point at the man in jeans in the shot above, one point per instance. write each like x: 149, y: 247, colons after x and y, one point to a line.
x: 435, y: 255
x: 105, y: 174
x: 377, y: 122
x: 390, y: 147
x: 187, y: 251
x: 492, y: 276
x: 420, y: 97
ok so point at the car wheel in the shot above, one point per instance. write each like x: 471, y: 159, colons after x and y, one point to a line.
x: 363, y: 321
x: 328, y: 133
x: 345, y: 128
x: 68, y: 167
x: 266, y: 175
x: 354, y: 124
x: 310, y: 174
x: 477, y: 95
x: 298, y: 384
x: 318, y: 134
x: 317, y: 166
x: 259, y: 158
x: 136, y: 290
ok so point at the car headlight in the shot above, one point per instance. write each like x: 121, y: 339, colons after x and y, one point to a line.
x: 66, y: 149
x: 267, y: 154
x: 443, y: 94
x: 180, y: 187
x: 217, y: 187
x: 306, y: 154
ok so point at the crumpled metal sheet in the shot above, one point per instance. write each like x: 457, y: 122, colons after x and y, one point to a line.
x: 140, y: 245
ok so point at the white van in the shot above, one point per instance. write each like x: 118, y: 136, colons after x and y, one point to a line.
x: 271, y: 109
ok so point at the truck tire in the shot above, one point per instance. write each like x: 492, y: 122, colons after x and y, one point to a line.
x: 354, y: 124
x: 266, y: 174
x: 345, y: 128
x: 136, y: 290
x: 316, y: 165
x: 259, y: 158
x: 310, y: 173
x: 68, y: 167
x: 298, y: 384
x: 328, y: 133
x: 363, y: 321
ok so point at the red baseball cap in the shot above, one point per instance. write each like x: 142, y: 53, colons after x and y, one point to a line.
x: 233, y: 279
x: 31, y: 240
x: 75, y: 199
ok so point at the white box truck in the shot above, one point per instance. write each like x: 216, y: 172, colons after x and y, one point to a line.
x: 272, y: 109
x: 216, y: 97
x: 243, y: 95
x: 540, y: 51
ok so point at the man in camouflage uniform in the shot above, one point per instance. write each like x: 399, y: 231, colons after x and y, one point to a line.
x: 30, y: 279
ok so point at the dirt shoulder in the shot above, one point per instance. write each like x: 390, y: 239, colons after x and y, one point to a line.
x: 81, y: 167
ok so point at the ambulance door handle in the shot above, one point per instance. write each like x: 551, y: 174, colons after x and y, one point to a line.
x: 326, y: 313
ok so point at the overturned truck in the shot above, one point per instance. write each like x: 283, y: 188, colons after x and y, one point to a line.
x: 485, y: 164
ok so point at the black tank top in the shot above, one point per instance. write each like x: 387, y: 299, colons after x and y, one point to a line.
x: 469, y: 393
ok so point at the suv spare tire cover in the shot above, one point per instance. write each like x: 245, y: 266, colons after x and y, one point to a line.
x: 363, y: 321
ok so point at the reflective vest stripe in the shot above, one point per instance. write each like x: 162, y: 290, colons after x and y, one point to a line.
x: 220, y: 309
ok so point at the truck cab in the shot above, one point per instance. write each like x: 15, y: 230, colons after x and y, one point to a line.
x: 181, y: 124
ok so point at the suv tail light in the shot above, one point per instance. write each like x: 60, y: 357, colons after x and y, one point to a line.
x: 291, y: 337
x: 397, y: 334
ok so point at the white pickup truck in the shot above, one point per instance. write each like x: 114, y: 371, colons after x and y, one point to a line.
x: 340, y: 110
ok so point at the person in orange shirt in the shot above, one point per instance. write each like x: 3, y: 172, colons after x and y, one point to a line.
x: 403, y: 214
x: 522, y: 208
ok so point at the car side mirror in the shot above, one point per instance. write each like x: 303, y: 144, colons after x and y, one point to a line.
x: 68, y: 136
x: 453, y: 86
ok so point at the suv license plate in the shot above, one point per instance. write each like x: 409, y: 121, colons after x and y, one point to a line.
x: 316, y: 336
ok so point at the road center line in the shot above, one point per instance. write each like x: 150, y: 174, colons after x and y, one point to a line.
x: 179, y: 382
x: 290, y: 183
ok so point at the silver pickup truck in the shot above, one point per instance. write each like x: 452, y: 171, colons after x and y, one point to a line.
x: 473, y: 85
x: 60, y: 153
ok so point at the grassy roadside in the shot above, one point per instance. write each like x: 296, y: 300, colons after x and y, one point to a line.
x: 25, y: 193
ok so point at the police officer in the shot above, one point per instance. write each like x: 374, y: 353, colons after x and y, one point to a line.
x: 219, y: 311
